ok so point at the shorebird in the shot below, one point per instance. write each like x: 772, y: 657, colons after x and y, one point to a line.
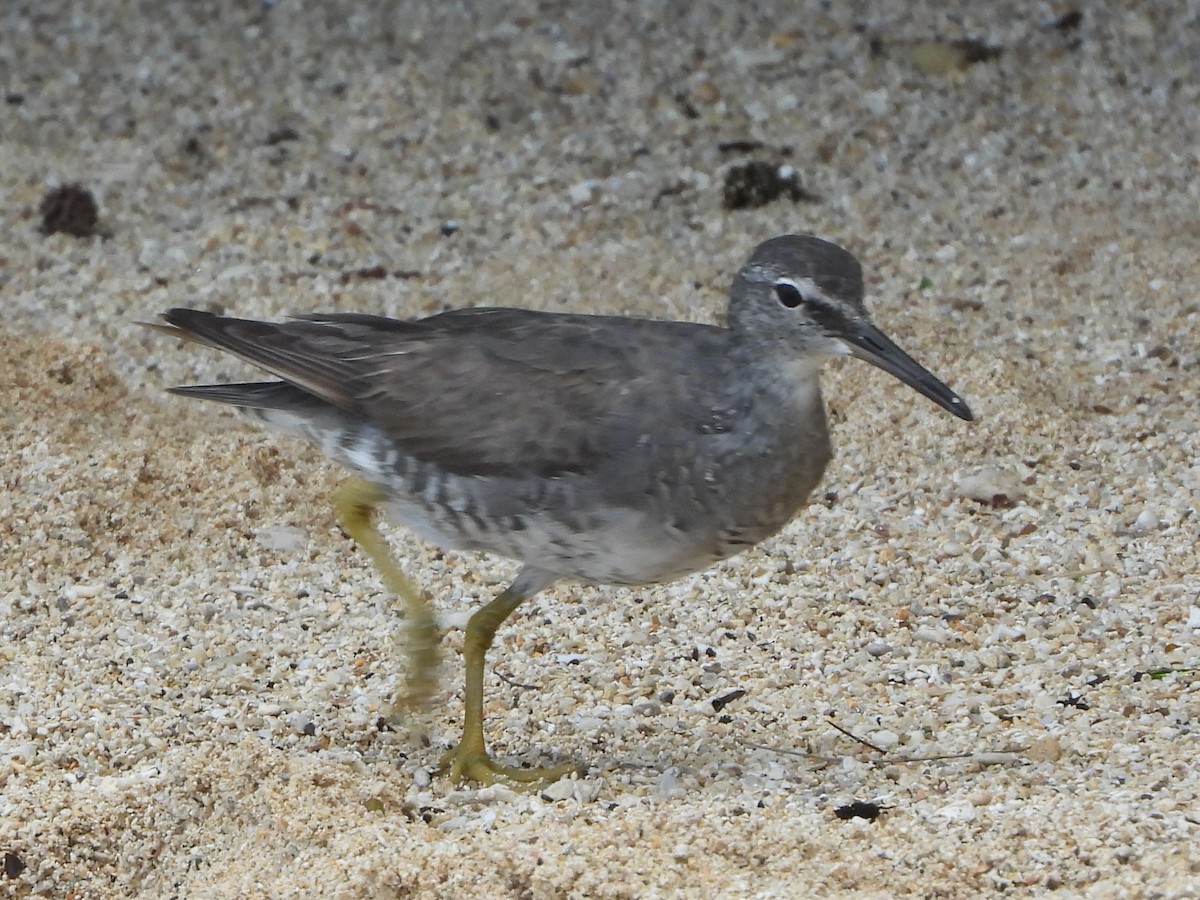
x: 601, y: 449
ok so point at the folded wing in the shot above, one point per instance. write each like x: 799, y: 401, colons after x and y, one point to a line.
x: 478, y: 391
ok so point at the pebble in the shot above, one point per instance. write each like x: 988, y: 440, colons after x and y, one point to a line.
x: 986, y: 485
x: 1045, y: 749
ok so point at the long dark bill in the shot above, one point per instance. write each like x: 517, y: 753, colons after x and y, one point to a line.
x: 869, y: 343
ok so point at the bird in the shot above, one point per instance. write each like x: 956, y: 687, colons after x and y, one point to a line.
x: 609, y: 450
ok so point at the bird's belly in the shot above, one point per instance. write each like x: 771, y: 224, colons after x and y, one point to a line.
x: 576, y: 535
x: 646, y: 521
x: 605, y: 546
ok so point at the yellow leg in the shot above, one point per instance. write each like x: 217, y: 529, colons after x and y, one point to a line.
x: 469, y: 761
x: 355, y: 501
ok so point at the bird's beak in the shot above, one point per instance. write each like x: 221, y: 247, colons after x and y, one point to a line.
x: 867, y: 342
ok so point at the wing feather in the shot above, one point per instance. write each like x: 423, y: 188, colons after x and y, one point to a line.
x: 483, y: 391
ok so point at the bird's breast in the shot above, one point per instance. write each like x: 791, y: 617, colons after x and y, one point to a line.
x: 763, y: 470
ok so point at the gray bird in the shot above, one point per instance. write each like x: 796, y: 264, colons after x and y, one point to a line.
x: 602, y: 449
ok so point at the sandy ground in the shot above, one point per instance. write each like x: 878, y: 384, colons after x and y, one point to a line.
x: 194, y: 657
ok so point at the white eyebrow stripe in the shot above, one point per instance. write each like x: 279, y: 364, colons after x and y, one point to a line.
x: 806, y: 286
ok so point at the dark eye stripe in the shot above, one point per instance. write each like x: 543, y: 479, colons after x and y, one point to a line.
x: 828, y: 317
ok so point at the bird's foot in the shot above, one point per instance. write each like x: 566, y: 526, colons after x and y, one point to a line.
x: 478, y: 767
x: 424, y: 659
x: 355, y: 504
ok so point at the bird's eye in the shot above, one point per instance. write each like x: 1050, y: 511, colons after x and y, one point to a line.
x: 789, y: 295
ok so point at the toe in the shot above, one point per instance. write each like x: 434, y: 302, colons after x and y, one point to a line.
x: 480, y: 768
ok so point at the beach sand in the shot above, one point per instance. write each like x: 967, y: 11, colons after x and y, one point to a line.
x: 988, y: 631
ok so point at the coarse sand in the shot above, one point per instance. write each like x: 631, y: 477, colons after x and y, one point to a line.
x: 986, y: 636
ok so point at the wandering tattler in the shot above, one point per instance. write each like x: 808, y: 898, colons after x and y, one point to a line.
x: 603, y: 449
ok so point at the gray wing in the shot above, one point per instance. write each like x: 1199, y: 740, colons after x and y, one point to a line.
x: 480, y: 391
